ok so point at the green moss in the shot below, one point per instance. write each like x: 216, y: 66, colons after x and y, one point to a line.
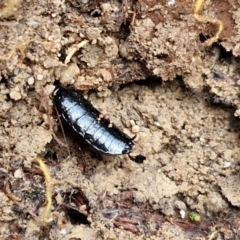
x: 194, y: 217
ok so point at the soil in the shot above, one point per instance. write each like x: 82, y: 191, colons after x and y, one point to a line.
x: 146, y: 65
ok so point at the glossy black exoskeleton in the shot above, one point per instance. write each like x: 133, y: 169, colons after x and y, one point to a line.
x: 84, y: 119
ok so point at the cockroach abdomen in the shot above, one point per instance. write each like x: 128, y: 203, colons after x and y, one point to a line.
x: 80, y: 114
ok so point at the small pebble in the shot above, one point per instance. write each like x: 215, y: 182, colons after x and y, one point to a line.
x: 83, y: 208
x: 226, y: 164
x: 39, y: 77
x: 63, y: 231
x: 180, y: 205
x: 30, y: 81
x: 15, y: 95
x: 135, y: 129
x: 132, y: 122
x: 237, y: 113
x: 182, y: 213
x: 18, y: 173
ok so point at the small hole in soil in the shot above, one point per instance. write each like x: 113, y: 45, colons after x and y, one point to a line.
x: 203, y: 37
x: 150, y: 82
x: 56, y: 83
x: 162, y: 56
x: 139, y: 159
x: 52, y: 155
x: 225, y: 56
x: 76, y: 206
x: 27, y: 61
x: 125, y: 29
x: 3, y: 79
x: 77, y: 217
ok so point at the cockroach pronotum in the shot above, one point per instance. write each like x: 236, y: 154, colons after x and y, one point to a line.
x: 84, y: 119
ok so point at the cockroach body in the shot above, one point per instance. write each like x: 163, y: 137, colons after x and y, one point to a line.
x: 84, y: 119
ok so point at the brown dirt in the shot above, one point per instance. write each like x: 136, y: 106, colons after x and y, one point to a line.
x: 185, y: 115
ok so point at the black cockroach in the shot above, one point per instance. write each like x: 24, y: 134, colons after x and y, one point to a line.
x: 84, y: 119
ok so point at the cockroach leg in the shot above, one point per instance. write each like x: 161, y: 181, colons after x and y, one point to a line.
x: 56, y: 138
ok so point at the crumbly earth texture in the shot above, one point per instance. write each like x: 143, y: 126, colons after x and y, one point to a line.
x: 144, y: 64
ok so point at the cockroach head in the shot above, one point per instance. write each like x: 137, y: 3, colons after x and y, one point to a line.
x: 59, y: 93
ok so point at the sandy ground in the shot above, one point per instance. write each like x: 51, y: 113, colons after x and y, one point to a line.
x: 146, y: 64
